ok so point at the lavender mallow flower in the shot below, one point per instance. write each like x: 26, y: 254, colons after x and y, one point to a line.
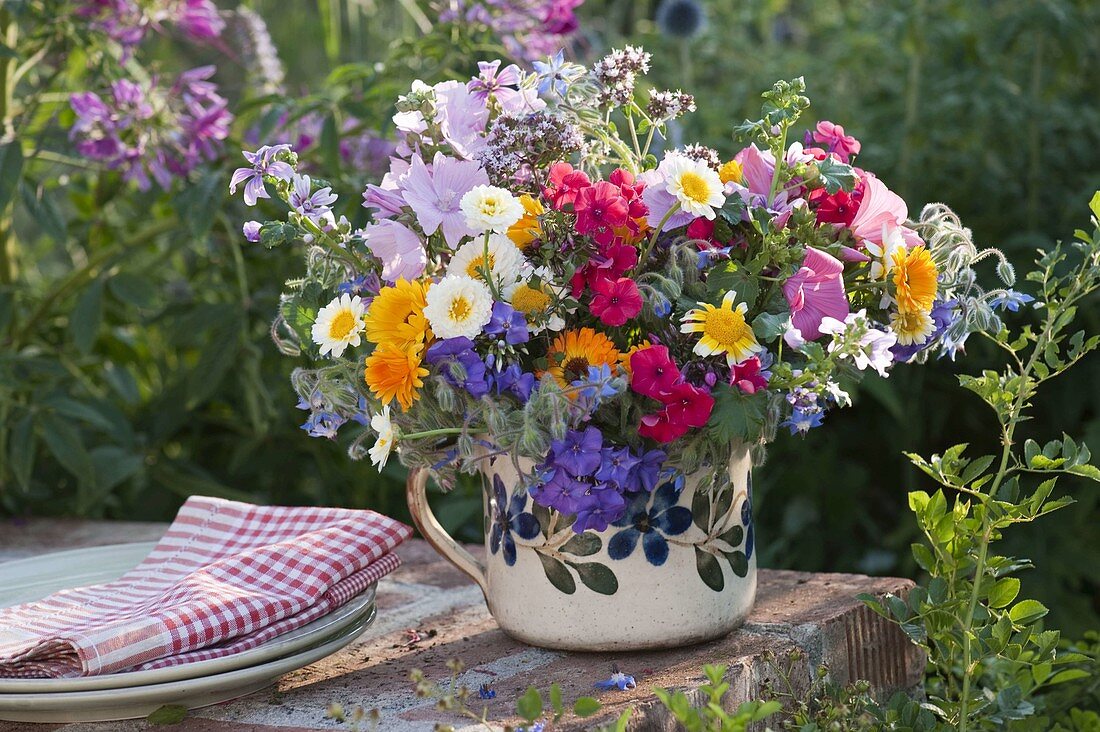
x: 314, y: 205
x: 263, y: 163
x: 434, y: 195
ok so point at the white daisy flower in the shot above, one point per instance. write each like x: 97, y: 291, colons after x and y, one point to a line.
x: 458, y: 306
x: 913, y: 327
x: 339, y: 325
x: 695, y: 184
x: 489, y: 208
x: 384, y: 445
x: 505, y: 260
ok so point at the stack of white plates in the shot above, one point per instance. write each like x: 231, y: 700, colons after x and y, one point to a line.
x: 136, y: 694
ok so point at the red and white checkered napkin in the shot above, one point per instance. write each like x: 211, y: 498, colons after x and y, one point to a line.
x: 226, y: 577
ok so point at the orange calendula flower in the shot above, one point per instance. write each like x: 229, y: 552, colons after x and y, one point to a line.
x: 395, y: 373
x: 574, y: 351
x: 527, y: 229
x: 915, y: 277
x: 730, y: 172
x: 396, y: 316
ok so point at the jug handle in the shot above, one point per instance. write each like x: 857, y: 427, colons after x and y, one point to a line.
x: 416, y: 491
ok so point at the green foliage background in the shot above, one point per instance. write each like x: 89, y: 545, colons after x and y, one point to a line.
x: 135, y: 367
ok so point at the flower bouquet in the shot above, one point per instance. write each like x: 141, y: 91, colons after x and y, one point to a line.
x: 606, y: 331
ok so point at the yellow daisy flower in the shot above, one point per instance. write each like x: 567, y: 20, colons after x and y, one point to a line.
x: 527, y: 229
x: 915, y: 279
x: 574, y: 351
x: 723, y: 329
x: 395, y: 373
x: 396, y: 316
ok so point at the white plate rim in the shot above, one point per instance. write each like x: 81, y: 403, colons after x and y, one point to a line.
x: 174, y: 691
x: 291, y: 642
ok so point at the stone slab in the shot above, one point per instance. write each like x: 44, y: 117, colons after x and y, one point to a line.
x: 817, y: 614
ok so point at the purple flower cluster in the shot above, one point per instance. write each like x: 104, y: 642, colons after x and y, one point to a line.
x: 529, y: 29
x: 516, y: 144
x: 585, y: 478
x: 127, y: 21
x: 150, y: 132
x: 460, y: 366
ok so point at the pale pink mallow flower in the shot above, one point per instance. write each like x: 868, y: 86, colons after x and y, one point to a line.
x: 401, y: 251
x: 462, y: 118
x: 435, y: 194
x: 816, y: 291
x: 880, y: 212
x: 386, y: 199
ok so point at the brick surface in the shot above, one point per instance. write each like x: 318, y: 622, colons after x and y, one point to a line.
x: 816, y: 613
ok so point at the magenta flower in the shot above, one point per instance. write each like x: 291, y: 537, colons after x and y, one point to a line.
x: 263, y: 163
x: 435, y: 194
x: 757, y: 169
x: 401, y: 252
x: 816, y: 291
x: 833, y: 137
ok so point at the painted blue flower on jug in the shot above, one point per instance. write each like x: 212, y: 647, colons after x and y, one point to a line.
x: 651, y: 523
x: 508, y: 518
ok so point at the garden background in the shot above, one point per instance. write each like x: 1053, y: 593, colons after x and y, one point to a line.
x: 135, y: 362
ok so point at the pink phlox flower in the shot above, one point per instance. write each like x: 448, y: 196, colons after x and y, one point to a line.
x: 833, y: 137
x: 748, y: 376
x: 565, y: 185
x: 653, y: 372
x: 816, y: 291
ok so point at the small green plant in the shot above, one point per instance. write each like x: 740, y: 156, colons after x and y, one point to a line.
x: 712, y: 716
x: 540, y: 713
x: 991, y: 660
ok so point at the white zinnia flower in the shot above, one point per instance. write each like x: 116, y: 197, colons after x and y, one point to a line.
x: 913, y: 327
x: 489, y: 208
x: 695, y: 184
x: 458, y: 306
x: 384, y: 445
x: 339, y: 324
x: 505, y: 260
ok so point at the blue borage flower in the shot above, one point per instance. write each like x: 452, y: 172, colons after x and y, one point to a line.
x: 1011, y: 300
x: 485, y: 691
x: 651, y: 523
x: 508, y: 518
x: 618, y: 680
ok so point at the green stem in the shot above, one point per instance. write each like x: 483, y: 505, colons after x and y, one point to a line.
x: 9, y: 35
x: 432, y: 433
x: 486, y: 270
x: 656, y: 233
x: 779, y: 160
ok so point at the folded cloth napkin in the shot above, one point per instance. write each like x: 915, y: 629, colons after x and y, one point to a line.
x: 225, y: 577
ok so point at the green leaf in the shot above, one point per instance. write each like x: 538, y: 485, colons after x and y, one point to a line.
x: 113, y: 465
x: 836, y: 175
x: 1027, y: 611
x: 276, y: 233
x: 768, y: 326
x: 82, y: 411
x: 1087, y: 471
x: 733, y: 276
x: 596, y: 577
x: 736, y: 415
x: 66, y: 445
x: 86, y: 317
x: 133, y: 289
x: 330, y: 144
x: 168, y: 714
x: 1070, y: 674
x: 43, y: 211
x: 586, y: 706
x: 710, y: 571
x: 11, y: 168
x: 739, y: 562
x: 555, y: 700
x: 558, y: 575
x: 529, y: 706
x: 583, y: 545
x: 1004, y: 592
x: 22, y: 450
